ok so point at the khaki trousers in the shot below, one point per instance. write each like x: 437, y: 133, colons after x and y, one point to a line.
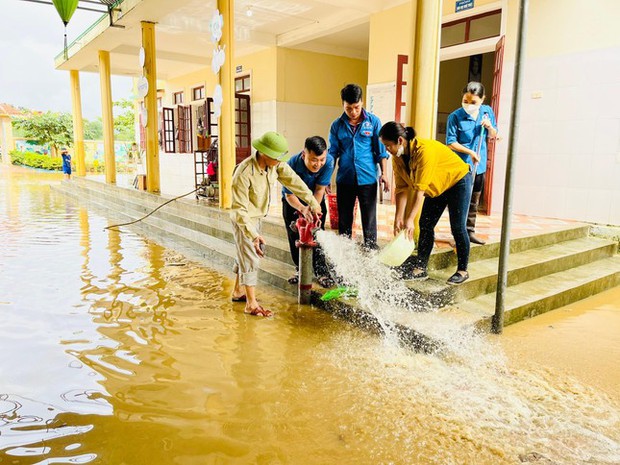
x: 246, y: 264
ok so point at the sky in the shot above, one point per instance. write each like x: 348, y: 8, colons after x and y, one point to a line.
x: 31, y: 35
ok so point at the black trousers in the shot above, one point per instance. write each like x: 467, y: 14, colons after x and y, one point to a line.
x: 367, y: 197
x: 318, y: 257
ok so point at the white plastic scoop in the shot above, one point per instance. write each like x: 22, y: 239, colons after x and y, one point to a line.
x: 397, y: 251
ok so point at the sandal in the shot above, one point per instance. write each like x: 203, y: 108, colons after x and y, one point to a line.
x: 259, y: 311
x: 420, y: 275
x: 325, y: 281
x: 294, y: 279
x: 242, y: 298
x: 458, y: 278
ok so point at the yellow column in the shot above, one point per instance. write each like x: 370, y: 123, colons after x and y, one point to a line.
x: 227, y: 156
x: 6, y: 138
x: 78, y: 124
x: 108, y: 116
x: 150, y: 102
x: 424, y: 71
x: 425, y: 66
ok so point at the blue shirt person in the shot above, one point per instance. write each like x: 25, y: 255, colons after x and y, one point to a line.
x: 468, y: 129
x: 315, y: 168
x: 354, y: 143
x: 66, y: 162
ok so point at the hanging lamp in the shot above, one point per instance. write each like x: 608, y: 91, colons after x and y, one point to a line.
x: 65, y: 9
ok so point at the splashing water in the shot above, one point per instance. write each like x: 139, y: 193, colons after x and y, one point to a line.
x: 383, y: 294
x: 471, y: 383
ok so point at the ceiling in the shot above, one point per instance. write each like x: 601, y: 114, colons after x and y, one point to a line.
x: 339, y: 27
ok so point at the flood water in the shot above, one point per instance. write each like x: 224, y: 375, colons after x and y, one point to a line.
x: 115, y: 350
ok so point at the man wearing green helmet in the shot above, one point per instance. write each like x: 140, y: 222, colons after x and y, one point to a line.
x: 251, y: 192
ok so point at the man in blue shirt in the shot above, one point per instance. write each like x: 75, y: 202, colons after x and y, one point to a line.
x: 354, y: 143
x: 315, y: 167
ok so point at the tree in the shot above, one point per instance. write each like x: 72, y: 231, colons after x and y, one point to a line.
x: 124, y: 128
x: 93, y: 130
x: 55, y: 129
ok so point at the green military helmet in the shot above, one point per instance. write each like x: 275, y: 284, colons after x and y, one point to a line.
x: 273, y: 145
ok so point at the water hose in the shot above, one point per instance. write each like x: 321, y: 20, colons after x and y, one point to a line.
x: 116, y: 226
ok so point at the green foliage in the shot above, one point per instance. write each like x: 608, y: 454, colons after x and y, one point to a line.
x: 93, y: 130
x: 55, y: 129
x: 124, y: 120
x: 36, y: 160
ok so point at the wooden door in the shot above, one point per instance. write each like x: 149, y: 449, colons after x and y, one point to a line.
x: 487, y: 197
x: 243, y: 134
x: 168, y: 130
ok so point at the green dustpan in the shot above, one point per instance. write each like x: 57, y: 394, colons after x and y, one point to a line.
x: 339, y: 292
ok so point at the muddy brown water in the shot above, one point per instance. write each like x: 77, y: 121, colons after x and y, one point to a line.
x: 115, y: 350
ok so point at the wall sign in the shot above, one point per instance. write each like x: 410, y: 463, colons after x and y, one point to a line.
x: 462, y: 5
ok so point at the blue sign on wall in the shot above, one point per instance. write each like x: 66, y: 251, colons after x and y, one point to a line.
x: 462, y: 5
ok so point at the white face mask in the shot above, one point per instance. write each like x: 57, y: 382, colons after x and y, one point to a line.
x: 400, y: 151
x: 471, y: 108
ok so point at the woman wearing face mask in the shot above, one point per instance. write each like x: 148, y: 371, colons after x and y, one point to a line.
x: 465, y: 135
x: 427, y: 168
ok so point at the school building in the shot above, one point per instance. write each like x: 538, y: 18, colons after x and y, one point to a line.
x: 286, y: 61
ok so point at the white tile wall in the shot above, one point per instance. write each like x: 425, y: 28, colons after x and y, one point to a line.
x: 176, y: 172
x: 569, y: 140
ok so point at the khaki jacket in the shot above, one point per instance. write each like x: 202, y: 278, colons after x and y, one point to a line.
x: 251, y: 192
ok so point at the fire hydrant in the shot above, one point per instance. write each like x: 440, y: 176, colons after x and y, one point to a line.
x: 306, y: 244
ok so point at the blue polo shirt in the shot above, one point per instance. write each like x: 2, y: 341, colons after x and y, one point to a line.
x: 359, y: 152
x: 321, y: 178
x: 465, y: 130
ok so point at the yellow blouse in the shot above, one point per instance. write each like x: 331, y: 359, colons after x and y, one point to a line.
x: 433, y: 168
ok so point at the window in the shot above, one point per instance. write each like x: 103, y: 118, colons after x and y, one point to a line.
x: 242, y: 85
x: 198, y: 93
x: 177, y: 98
x: 470, y: 29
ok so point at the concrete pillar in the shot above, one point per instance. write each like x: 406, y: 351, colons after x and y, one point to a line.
x: 6, y: 138
x: 424, y: 72
x: 306, y: 272
x: 107, y: 116
x: 150, y: 103
x: 425, y: 66
x: 78, y: 124
x: 227, y: 155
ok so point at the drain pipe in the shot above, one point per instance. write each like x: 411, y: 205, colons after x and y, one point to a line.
x: 306, y: 245
x: 497, y: 323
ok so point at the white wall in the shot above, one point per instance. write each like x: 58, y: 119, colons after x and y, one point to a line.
x: 297, y: 121
x: 568, y: 163
x: 176, y: 171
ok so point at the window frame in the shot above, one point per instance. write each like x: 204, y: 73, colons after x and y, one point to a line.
x: 467, y: 22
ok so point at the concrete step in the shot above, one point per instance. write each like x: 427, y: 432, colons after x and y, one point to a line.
x: 185, y: 213
x: 197, y: 244
x: 523, y: 266
x: 446, y: 258
x: 543, y: 294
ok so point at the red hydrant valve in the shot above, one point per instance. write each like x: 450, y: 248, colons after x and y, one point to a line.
x: 307, y: 230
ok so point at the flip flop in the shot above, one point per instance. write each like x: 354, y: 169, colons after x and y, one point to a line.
x: 293, y: 279
x: 259, y: 311
x: 243, y: 298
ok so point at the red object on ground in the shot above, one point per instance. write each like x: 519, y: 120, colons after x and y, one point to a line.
x: 332, y: 208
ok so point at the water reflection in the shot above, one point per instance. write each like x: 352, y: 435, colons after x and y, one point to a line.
x: 116, y: 350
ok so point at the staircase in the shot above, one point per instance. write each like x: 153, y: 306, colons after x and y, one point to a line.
x: 546, y: 271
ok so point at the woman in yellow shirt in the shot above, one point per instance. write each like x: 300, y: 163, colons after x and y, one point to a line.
x: 431, y: 177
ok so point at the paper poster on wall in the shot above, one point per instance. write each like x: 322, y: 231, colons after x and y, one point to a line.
x: 381, y: 100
